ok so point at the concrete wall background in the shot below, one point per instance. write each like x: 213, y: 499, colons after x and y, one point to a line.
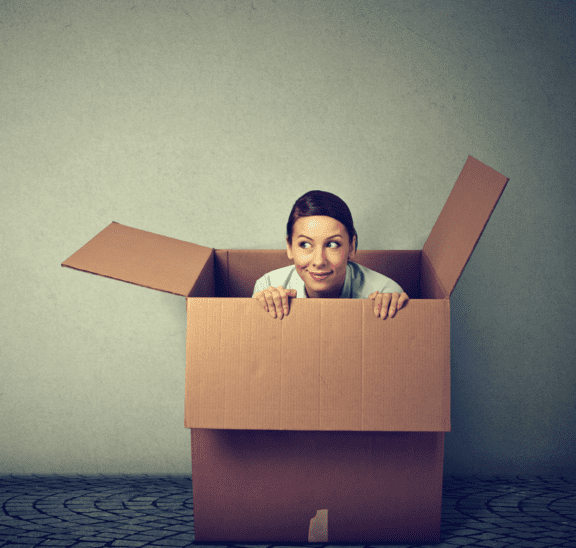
x: 205, y: 121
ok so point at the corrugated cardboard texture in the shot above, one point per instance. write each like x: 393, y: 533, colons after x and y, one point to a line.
x: 460, y: 224
x: 144, y: 258
x: 265, y: 486
x: 329, y: 365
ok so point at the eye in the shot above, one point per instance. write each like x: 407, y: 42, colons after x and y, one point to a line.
x: 331, y: 242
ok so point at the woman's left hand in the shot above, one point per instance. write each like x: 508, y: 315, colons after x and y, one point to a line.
x: 385, y: 303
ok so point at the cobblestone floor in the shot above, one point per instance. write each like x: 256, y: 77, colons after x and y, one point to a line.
x: 133, y: 511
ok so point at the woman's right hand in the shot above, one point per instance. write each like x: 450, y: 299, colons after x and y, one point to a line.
x: 275, y: 300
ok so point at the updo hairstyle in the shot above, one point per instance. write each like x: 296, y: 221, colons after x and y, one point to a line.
x: 317, y: 203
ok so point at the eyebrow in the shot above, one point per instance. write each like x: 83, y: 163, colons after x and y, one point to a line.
x: 329, y: 237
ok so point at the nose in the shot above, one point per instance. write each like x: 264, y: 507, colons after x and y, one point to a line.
x: 318, y: 258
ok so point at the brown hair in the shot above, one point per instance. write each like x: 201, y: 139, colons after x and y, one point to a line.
x: 318, y: 202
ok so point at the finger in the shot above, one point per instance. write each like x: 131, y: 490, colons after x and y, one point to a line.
x: 377, y: 303
x: 270, y: 303
x: 393, y: 304
x: 385, y: 302
x: 403, y: 298
x: 263, y: 301
x: 286, y: 300
x: 277, y: 302
x: 283, y: 302
x: 291, y: 293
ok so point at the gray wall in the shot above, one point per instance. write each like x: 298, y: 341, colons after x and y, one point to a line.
x: 204, y: 121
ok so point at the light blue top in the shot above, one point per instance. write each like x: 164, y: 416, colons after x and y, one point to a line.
x: 359, y: 284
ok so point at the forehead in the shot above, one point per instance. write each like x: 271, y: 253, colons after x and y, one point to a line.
x: 318, y: 226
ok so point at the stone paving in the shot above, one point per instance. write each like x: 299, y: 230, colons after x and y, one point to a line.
x: 134, y: 511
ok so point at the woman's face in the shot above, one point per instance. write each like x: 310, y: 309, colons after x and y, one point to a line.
x: 320, y: 245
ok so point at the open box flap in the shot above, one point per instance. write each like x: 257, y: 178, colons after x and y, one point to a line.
x: 462, y: 221
x: 143, y: 258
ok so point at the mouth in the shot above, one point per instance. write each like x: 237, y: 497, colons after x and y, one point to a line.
x: 319, y: 277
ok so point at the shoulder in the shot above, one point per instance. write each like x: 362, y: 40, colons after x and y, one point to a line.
x: 280, y: 276
x: 280, y: 273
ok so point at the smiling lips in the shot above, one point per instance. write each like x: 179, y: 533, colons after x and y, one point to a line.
x: 319, y: 275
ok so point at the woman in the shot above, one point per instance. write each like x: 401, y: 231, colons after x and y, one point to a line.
x: 321, y: 240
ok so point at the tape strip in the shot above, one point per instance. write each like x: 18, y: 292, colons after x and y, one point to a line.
x: 318, y: 531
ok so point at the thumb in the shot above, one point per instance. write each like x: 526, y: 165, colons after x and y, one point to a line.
x: 293, y: 292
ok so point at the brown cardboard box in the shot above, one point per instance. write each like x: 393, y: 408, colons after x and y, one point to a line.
x: 327, y: 425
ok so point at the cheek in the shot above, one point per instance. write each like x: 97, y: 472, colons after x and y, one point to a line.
x: 336, y: 258
x: 339, y: 261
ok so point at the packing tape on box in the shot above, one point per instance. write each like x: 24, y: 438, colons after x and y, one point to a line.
x: 318, y: 531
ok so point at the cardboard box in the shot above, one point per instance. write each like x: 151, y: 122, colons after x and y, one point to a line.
x: 327, y: 425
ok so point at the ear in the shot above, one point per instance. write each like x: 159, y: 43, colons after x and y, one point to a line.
x: 288, y: 250
x: 352, y: 252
